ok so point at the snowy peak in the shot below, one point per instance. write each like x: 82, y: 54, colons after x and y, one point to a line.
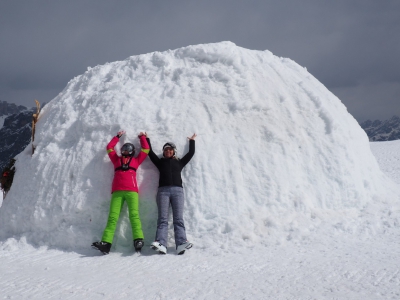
x: 7, y: 109
x: 15, y: 135
x: 10, y: 108
x: 275, y: 149
x: 377, y: 130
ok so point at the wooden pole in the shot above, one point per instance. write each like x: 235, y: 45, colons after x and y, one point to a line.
x: 35, y: 118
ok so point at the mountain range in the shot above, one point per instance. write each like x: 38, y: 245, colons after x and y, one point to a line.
x: 15, y: 133
x: 10, y: 108
x: 377, y: 130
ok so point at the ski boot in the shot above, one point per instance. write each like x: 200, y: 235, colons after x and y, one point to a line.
x: 138, y: 244
x: 104, y: 247
x: 156, y: 246
x: 183, y: 247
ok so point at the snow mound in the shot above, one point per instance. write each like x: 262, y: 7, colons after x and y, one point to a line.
x: 277, y: 154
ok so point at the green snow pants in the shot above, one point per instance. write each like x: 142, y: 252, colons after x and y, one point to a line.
x: 117, y: 200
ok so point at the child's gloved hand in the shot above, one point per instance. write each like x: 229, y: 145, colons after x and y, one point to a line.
x: 120, y: 133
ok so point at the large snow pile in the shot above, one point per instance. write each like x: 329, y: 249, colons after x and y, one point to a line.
x: 277, y: 155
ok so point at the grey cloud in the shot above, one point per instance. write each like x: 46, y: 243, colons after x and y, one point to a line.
x: 347, y: 45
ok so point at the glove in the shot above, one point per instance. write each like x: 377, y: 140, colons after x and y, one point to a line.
x: 120, y: 133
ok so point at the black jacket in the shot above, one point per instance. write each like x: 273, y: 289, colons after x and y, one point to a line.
x: 171, y: 168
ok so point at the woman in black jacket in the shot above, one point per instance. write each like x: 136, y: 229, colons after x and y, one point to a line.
x: 170, y: 191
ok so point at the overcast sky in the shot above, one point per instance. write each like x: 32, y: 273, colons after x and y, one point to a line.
x: 352, y: 47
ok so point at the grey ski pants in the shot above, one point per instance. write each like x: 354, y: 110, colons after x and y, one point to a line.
x: 170, y: 195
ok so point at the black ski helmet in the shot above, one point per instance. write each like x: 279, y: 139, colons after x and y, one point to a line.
x: 170, y: 145
x: 128, y: 147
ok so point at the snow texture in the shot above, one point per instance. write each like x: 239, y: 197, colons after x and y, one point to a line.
x: 278, y: 157
x: 388, y: 155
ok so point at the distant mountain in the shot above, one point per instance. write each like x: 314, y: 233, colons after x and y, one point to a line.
x: 15, y: 135
x: 10, y: 108
x: 377, y: 130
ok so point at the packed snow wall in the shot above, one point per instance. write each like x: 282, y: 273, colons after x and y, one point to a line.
x: 277, y: 154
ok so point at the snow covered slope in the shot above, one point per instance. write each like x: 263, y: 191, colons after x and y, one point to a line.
x: 388, y: 157
x: 277, y: 155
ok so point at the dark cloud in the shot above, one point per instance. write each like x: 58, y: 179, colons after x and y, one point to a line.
x: 350, y: 46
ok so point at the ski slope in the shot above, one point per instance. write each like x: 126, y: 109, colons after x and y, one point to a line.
x: 284, y: 197
x: 388, y: 156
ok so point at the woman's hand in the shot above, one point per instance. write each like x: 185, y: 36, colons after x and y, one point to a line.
x: 143, y: 133
x: 120, y: 133
x: 192, y: 137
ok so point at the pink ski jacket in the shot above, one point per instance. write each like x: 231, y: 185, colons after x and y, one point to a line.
x: 126, y: 180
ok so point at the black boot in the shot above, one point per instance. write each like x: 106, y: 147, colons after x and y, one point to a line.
x: 104, y: 247
x: 138, y: 244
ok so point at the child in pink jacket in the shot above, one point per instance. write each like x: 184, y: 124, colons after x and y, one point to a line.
x: 124, y: 188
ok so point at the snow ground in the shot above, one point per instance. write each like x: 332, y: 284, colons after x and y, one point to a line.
x: 388, y: 157
x: 339, y: 266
